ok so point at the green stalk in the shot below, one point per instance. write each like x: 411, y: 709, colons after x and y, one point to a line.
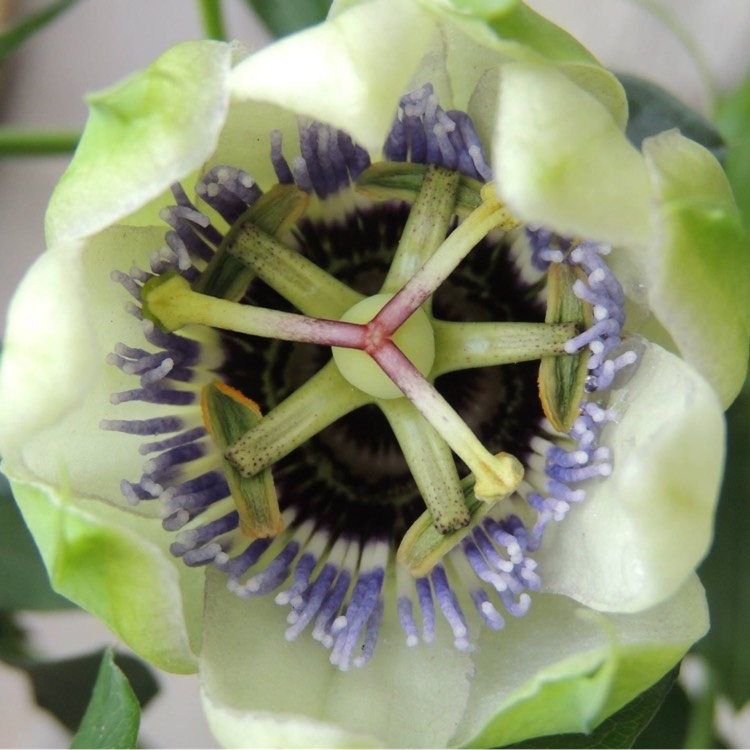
x: 213, y: 20
x: 15, y: 141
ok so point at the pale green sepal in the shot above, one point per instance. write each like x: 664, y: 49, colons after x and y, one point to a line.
x: 109, y: 563
x: 699, y: 277
x: 352, y: 55
x: 489, y: 9
x: 143, y: 134
x: 565, y: 669
x: 234, y: 727
x: 403, y: 697
x: 562, y: 161
x: 47, y: 352
x: 55, y: 382
x: 525, y: 26
x: 643, y: 530
x: 603, y: 85
x: 475, y: 46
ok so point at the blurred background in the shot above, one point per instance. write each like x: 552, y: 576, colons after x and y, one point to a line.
x: 696, y: 49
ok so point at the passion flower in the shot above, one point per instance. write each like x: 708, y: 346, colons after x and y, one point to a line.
x: 381, y: 365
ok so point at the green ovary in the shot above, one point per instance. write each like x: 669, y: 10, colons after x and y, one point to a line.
x: 414, y: 338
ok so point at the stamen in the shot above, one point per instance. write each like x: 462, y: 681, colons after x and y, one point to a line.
x: 387, y: 181
x: 490, y: 215
x: 562, y: 379
x: 431, y: 465
x: 321, y: 400
x: 423, y: 546
x: 228, y: 415
x: 496, y: 476
x: 429, y: 220
x: 461, y: 346
x: 298, y: 280
x: 227, y: 277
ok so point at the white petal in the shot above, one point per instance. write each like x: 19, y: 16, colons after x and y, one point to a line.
x: 143, y: 134
x: 641, y: 532
x: 349, y: 72
x: 404, y: 697
x: 55, y: 380
x: 562, y: 161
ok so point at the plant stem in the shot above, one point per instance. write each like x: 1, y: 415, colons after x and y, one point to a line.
x: 15, y: 141
x: 213, y: 19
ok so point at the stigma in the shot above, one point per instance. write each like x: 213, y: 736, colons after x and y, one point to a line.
x: 311, y: 396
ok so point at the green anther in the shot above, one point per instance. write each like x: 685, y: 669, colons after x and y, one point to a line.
x: 227, y: 277
x: 562, y: 379
x: 414, y: 338
x: 423, y: 546
x: 462, y: 346
x: 228, y: 414
x: 403, y: 181
x: 428, y: 224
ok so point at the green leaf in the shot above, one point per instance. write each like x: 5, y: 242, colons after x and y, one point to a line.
x: 14, y: 37
x: 733, y: 118
x: 619, y: 730
x: 668, y: 727
x: 63, y: 687
x: 725, y: 572
x: 653, y: 110
x: 112, y: 716
x: 283, y: 17
x: 24, y: 583
x: 13, y: 640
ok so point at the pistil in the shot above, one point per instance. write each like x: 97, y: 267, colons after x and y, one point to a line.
x: 429, y: 220
x: 496, y: 476
x: 170, y: 302
x: 490, y: 215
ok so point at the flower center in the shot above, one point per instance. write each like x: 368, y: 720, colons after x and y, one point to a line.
x: 285, y: 499
x: 414, y: 339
